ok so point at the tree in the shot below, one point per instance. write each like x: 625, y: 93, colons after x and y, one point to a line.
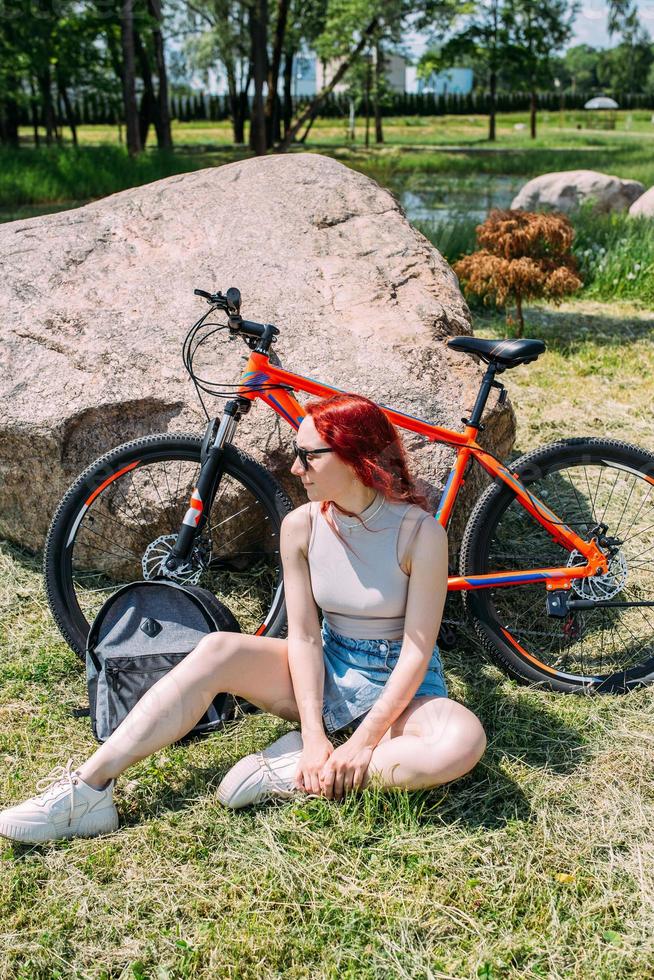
x: 624, y: 19
x: 226, y: 40
x: 44, y: 60
x: 258, y: 25
x: 625, y: 67
x: 484, y: 40
x: 352, y: 27
x: 13, y: 65
x: 581, y: 63
x: 132, y: 127
x: 272, y: 107
x: 522, y: 255
x: 537, y: 30
x: 251, y: 39
x: 162, y: 112
x: 307, y: 116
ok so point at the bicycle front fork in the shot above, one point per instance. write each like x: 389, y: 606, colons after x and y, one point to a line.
x: 217, y: 435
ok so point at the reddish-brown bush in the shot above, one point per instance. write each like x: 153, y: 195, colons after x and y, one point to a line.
x: 522, y: 255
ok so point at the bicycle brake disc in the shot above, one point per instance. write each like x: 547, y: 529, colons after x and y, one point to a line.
x: 597, y: 587
x: 154, y: 558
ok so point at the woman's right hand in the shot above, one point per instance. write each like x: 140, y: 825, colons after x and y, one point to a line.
x: 315, y: 752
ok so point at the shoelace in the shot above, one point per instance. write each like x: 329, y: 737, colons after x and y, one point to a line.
x: 278, y: 782
x: 59, y: 776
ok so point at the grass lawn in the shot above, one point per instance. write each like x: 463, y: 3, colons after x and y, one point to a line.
x: 540, y: 863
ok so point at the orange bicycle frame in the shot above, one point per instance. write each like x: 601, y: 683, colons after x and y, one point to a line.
x: 260, y: 371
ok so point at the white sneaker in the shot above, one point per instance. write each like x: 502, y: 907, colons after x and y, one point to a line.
x: 263, y: 775
x: 66, y: 807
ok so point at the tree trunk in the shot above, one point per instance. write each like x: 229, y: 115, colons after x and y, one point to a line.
x: 134, y: 145
x: 9, y: 114
x: 312, y: 110
x: 258, y: 23
x: 112, y: 48
x: 272, y: 102
x: 70, y: 112
x: 46, y: 100
x: 287, y: 110
x: 492, y: 108
x: 532, y: 114
x: 59, y: 118
x: 238, y: 103
x: 162, y: 110
x: 379, y: 75
x: 367, y: 100
x: 308, y: 129
x: 147, y: 107
x: 35, y: 113
x: 9, y: 111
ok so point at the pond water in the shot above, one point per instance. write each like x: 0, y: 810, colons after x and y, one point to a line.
x: 436, y: 197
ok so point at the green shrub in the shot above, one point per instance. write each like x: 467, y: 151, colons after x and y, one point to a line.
x: 616, y: 255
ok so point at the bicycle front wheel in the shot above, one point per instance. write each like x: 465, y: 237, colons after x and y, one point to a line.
x: 121, y: 517
x: 599, y: 488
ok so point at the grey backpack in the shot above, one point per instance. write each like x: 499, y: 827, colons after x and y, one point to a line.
x: 141, y: 632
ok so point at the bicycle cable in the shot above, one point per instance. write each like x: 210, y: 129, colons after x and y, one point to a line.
x: 192, y: 342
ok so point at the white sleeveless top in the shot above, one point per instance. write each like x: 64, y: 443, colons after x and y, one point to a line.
x: 361, y: 589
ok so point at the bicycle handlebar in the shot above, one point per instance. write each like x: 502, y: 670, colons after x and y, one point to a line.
x: 230, y: 303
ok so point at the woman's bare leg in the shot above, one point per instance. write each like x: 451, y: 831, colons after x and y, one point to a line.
x: 253, y: 667
x: 433, y: 741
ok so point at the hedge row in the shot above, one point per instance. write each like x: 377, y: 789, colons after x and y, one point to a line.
x: 96, y: 108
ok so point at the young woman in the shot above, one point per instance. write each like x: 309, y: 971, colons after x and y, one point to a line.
x: 367, y: 551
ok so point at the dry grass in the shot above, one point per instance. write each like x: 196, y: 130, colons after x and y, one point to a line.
x: 538, y: 864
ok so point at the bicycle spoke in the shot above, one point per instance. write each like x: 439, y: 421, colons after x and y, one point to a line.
x: 638, y: 512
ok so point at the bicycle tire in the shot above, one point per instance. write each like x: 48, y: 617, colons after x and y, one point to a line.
x: 103, y: 473
x: 481, y: 552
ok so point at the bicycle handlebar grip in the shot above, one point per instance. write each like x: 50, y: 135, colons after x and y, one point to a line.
x: 202, y: 292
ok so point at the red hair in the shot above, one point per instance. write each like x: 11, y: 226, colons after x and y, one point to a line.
x: 363, y: 436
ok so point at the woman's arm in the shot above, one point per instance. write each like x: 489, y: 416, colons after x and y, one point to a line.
x: 305, y: 654
x: 424, y: 611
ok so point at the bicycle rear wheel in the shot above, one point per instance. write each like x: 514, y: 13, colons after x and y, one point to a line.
x: 122, y: 515
x: 587, y: 483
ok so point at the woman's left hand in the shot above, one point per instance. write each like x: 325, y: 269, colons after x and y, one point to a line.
x: 345, y: 769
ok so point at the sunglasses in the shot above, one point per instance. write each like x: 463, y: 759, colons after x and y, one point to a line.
x: 303, y: 454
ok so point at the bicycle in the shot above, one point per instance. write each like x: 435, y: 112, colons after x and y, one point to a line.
x: 554, y: 564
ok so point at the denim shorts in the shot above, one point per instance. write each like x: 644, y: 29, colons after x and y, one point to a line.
x: 356, y: 672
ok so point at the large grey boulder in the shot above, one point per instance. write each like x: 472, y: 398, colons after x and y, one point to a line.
x: 566, y: 190
x: 643, y: 206
x: 96, y: 303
